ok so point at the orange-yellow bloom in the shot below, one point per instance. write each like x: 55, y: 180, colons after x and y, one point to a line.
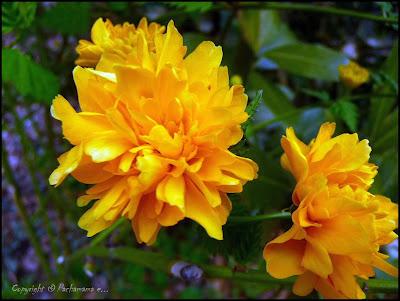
x: 118, y: 44
x: 153, y: 134
x: 342, y: 159
x: 338, y: 227
x: 353, y: 75
x: 336, y: 235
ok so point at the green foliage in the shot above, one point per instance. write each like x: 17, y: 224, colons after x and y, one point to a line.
x: 347, y: 111
x: 241, y: 241
x: 29, y: 78
x: 308, y: 60
x: 191, y: 7
x: 252, y: 108
x: 391, y: 65
x: 382, y: 106
x: 264, y: 29
x: 68, y: 18
x: 388, y: 11
x: 17, y: 15
x: 321, y: 95
x: 271, y: 179
x: 118, y: 5
x: 274, y: 98
x: 280, y: 95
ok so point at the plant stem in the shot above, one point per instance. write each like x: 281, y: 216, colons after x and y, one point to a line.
x: 317, y: 9
x: 99, y: 238
x: 30, y: 230
x: 158, y: 262
x: 263, y: 217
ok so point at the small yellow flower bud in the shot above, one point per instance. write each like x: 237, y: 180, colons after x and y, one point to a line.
x: 236, y: 80
x: 353, y: 75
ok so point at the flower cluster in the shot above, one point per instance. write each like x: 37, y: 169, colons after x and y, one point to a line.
x: 338, y: 226
x: 153, y: 132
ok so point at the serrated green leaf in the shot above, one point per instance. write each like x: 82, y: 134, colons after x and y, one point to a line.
x: 16, y: 15
x: 191, y: 7
x: 346, y: 111
x: 252, y: 108
x: 29, y: 78
x: 264, y: 29
x: 308, y: 60
x: 68, y: 18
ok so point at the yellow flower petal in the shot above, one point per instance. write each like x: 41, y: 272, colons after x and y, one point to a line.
x: 107, y: 147
x: 199, y: 210
x: 305, y: 284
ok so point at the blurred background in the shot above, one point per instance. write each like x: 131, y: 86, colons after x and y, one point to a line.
x: 289, y: 51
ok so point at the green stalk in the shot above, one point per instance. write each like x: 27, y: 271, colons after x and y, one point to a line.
x: 97, y: 240
x: 257, y: 218
x: 30, y: 231
x: 159, y: 262
x: 317, y: 9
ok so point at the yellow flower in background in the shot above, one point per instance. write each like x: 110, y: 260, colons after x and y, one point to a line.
x: 353, y: 75
x: 336, y: 235
x: 153, y: 135
x: 342, y: 159
x: 112, y: 44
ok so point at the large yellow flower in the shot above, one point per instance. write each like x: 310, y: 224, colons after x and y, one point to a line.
x: 153, y: 137
x: 336, y: 236
x: 342, y: 159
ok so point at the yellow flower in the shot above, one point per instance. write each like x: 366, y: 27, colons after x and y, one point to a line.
x: 342, y: 159
x: 336, y: 236
x: 118, y: 44
x: 353, y: 75
x: 153, y: 137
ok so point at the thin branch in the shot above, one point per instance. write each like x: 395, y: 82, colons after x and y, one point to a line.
x: 257, y: 218
x: 317, y: 9
x: 158, y: 262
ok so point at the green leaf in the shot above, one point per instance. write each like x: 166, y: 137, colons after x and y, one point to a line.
x: 382, y: 106
x: 272, y: 178
x: 264, y: 29
x: 321, y: 95
x: 29, y: 78
x: 346, y: 111
x: 273, y: 97
x: 391, y: 65
x: 17, y: 15
x: 191, y: 7
x: 252, y: 108
x: 308, y: 60
x: 68, y: 18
